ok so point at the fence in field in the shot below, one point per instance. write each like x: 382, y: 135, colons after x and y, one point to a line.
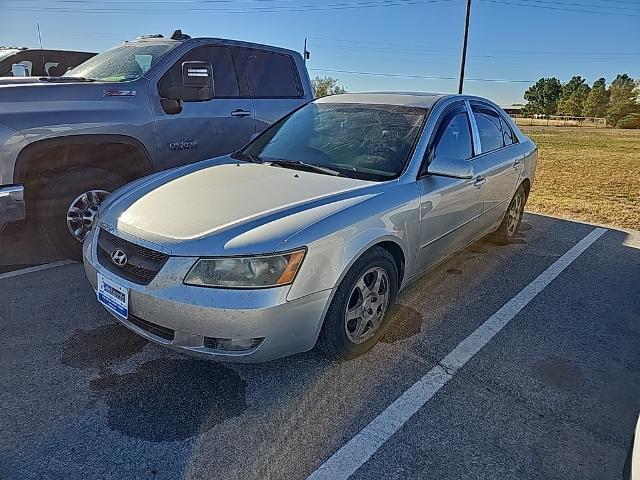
x: 559, y: 121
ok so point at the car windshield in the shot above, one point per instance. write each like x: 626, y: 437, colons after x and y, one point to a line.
x: 127, y: 62
x: 360, y: 140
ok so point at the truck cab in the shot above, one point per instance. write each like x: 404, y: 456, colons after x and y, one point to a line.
x: 141, y: 107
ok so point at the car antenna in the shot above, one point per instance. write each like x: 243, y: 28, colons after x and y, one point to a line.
x: 40, y: 40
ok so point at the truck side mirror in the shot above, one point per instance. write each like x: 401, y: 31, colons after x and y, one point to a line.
x: 197, y: 83
x: 20, y: 70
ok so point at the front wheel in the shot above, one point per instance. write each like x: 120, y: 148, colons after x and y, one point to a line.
x: 357, y: 316
x: 68, y: 206
x: 512, y: 218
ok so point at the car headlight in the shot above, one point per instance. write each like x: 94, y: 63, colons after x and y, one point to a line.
x: 259, y: 271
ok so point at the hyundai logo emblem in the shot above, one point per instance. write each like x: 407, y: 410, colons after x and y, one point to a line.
x: 119, y: 258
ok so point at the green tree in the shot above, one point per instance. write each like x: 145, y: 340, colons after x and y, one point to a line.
x: 574, y: 93
x: 623, y: 99
x: 630, y: 121
x: 325, y: 86
x: 543, y: 96
x: 597, y: 101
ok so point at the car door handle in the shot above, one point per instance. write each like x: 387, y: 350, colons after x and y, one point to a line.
x: 480, y: 181
x: 518, y: 162
x: 240, y: 113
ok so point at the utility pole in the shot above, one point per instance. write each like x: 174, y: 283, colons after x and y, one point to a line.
x: 464, y: 47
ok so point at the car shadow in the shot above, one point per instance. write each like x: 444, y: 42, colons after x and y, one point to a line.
x: 22, y: 246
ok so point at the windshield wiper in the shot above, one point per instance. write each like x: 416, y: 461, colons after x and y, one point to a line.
x: 66, y: 79
x: 247, y: 157
x: 304, y: 165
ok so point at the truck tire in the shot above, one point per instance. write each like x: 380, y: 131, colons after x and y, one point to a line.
x: 67, y: 206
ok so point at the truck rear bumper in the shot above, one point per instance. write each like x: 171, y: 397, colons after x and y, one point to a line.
x: 11, y: 204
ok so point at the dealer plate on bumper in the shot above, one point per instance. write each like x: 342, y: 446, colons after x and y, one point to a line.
x: 113, y: 296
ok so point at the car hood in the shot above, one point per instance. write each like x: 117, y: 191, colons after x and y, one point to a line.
x: 39, y: 80
x: 225, y: 207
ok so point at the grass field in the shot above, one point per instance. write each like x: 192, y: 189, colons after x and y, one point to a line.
x: 587, y: 174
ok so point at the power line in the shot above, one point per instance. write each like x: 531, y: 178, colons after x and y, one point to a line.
x: 588, y: 5
x: 423, y: 77
x: 376, y: 47
x: 274, y: 8
x: 347, y: 43
x: 199, y: 10
x: 515, y: 53
x: 505, y: 2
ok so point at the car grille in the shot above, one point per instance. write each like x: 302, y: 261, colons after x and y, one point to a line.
x: 152, y: 328
x: 142, y: 263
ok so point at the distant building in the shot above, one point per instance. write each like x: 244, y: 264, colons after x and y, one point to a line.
x: 513, y: 109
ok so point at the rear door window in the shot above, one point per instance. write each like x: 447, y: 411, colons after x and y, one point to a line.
x: 488, y: 122
x: 225, y: 80
x: 271, y: 75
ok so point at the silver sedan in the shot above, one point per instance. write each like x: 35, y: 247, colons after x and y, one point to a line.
x: 306, y: 235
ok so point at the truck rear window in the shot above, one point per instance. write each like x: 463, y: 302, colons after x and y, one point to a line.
x: 272, y: 74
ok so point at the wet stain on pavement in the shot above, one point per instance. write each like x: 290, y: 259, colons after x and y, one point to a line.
x: 101, y: 346
x: 405, y: 323
x: 478, y: 249
x: 455, y: 271
x: 518, y: 240
x: 559, y: 373
x: 168, y: 400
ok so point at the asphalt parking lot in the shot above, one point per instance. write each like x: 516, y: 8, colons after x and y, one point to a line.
x: 555, y: 393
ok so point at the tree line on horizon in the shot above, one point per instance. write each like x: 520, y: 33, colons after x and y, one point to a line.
x: 619, y: 103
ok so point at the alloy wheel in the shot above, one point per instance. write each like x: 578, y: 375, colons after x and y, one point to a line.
x: 515, y: 214
x: 82, y: 212
x: 367, y: 305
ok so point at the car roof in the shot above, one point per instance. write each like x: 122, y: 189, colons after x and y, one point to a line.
x: 408, y: 99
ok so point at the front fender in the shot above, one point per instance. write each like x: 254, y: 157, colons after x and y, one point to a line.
x: 11, y: 143
x: 329, y: 260
x: 330, y: 256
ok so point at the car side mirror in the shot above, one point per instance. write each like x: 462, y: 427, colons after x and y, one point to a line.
x: 453, y: 167
x: 20, y: 70
x: 197, y: 83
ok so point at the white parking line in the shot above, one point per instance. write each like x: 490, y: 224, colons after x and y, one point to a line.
x: 37, y: 268
x: 360, y: 448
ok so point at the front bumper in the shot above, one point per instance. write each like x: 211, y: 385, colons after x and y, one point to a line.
x: 193, y: 313
x: 11, y: 204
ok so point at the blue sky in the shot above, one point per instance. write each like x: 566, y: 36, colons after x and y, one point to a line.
x: 508, y: 40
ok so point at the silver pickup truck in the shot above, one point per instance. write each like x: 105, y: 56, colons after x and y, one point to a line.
x: 144, y: 106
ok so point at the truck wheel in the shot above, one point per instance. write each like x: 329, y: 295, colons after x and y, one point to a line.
x: 357, y: 316
x: 68, y: 205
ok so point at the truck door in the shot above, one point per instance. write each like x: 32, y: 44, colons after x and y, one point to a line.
x: 274, y: 84
x: 204, y: 129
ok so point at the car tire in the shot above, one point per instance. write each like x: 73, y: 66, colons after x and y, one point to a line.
x: 62, y: 192
x: 338, y: 339
x: 510, y: 224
